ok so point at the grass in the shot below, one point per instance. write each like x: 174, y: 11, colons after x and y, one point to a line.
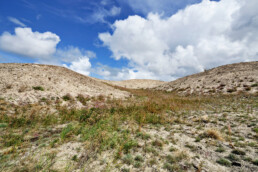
x: 157, y: 143
x: 177, y: 157
x: 83, y: 99
x: 224, y: 162
x: 172, y: 161
x: 212, y: 133
x: 13, y: 139
x: 129, y: 145
x: 66, y: 131
x: 255, y: 162
x: 231, y: 90
x: 232, y: 157
x: 67, y: 97
x: 172, y: 149
x: 39, y: 88
x: 169, y: 167
x: 143, y: 136
x: 128, y: 159
x: 238, y: 152
x: 139, y: 158
x: 118, y: 125
x: 255, y: 130
x: 3, y: 125
x: 220, y: 149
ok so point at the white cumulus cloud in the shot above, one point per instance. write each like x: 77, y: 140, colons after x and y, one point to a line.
x: 75, y: 59
x: 25, y: 42
x: 82, y: 65
x: 198, y: 37
x: 71, y: 53
x: 43, y: 48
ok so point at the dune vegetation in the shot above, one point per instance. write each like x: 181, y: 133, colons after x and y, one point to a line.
x: 148, y: 130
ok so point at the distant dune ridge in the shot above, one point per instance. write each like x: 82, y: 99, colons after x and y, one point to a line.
x: 24, y: 82
x: 17, y: 82
x: 137, y: 83
x: 227, y: 79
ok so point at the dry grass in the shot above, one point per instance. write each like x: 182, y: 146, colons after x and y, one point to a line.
x: 111, y: 125
x: 214, y: 134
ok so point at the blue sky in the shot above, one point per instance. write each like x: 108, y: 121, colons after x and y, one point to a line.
x: 128, y: 39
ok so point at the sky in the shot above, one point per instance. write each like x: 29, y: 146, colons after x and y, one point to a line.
x: 129, y: 39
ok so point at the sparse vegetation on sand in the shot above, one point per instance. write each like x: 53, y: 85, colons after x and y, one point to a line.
x: 78, y: 123
x: 150, y: 130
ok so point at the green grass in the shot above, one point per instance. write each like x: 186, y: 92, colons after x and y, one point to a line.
x: 128, y: 159
x: 13, y: 139
x: 67, y: 97
x: 169, y: 167
x: 3, y: 125
x: 255, y: 162
x: 172, y: 149
x: 220, y: 149
x: 39, y: 88
x: 129, y: 145
x: 232, y: 157
x: 157, y: 143
x: 238, y: 152
x: 83, y: 99
x: 224, y: 162
x: 139, y: 158
x: 66, y: 131
x: 255, y: 130
x: 117, y: 126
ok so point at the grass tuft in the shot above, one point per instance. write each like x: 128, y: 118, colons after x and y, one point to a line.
x: 39, y: 88
x: 224, y: 162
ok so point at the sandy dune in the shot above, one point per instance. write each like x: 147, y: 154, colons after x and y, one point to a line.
x: 233, y: 78
x: 17, y: 82
x: 137, y: 83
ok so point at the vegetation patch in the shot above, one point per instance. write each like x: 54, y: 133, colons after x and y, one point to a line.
x: 224, y: 162
x: 39, y: 88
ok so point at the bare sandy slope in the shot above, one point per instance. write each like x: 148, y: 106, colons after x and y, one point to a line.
x: 17, y: 82
x: 227, y: 79
x: 137, y: 83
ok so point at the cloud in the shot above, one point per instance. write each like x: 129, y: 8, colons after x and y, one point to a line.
x: 118, y: 74
x: 167, y: 7
x: 82, y: 65
x: 99, y: 14
x: 71, y: 53
x: 16, y: 21
x: 42, y: 47
x: 75, y: 59
x: 27, y: 43
x: 198, y: 37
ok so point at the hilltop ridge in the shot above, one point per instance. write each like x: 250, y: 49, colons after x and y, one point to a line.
x: 226, y: 79
x: 26, y: 82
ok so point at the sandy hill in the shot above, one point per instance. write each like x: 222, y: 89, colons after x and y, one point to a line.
x: 17, y: 82
x: 137, y: 83
x: 228, y: 79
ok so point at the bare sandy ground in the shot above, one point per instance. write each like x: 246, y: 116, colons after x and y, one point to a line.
x: 227, y: 79
x: 17, y: 82
x: 137, y: 83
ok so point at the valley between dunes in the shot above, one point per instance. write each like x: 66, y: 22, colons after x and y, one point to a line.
x: 54, y: 119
